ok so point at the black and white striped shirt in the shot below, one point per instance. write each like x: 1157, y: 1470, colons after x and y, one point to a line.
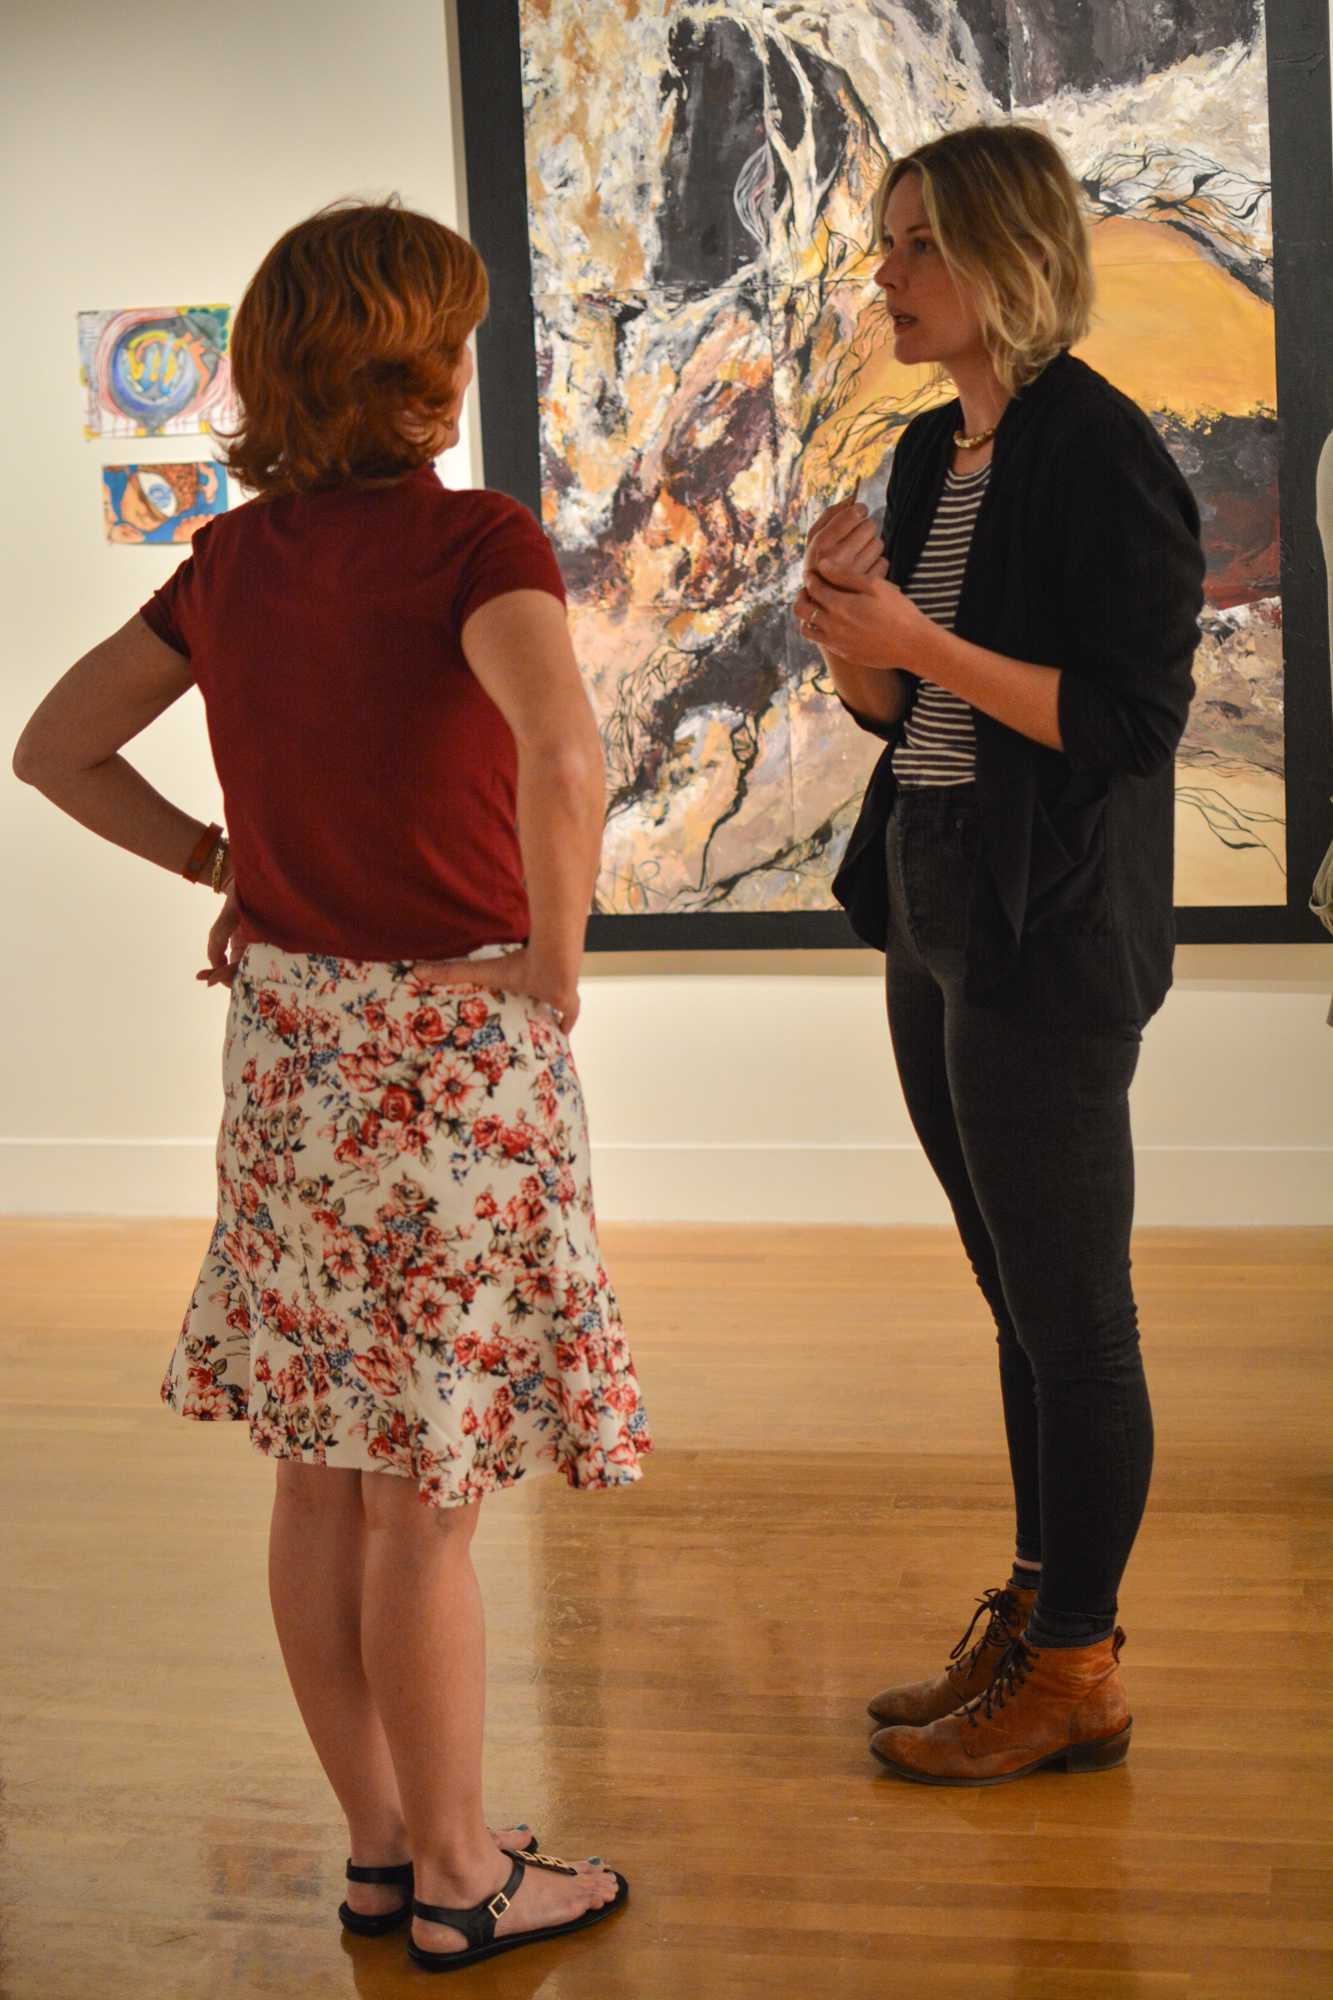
x: 939, y: 746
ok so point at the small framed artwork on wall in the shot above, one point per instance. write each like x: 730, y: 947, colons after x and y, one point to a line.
x: 150, y: 504
x: 155, y: 371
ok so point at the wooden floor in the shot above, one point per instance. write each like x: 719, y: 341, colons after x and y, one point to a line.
x: 679, y: 1670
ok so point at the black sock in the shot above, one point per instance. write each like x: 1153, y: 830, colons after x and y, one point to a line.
x: 1054, y: 1630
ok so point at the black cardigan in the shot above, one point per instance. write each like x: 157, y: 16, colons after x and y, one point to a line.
x: 1086, y: 556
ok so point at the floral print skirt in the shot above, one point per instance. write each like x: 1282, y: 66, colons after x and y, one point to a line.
x: 404, y: 1275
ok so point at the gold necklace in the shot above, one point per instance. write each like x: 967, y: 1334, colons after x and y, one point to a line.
x: 975, y: 442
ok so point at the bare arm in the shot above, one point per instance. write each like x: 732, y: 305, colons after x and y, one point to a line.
x: 880, y: 694
x: 869, y: 619
x: 519, y: 648
x: 69, y: 749
x: 1024, y: 697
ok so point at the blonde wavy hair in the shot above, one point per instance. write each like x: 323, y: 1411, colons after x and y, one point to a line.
x: 1010, y: 223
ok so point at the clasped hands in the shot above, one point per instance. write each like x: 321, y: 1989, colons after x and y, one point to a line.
x: 847, y: 604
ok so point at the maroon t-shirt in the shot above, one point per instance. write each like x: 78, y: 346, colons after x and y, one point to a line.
x: 370, y: 782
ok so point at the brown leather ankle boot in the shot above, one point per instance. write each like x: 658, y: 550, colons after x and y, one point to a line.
x: 969, y: 1673
x: 1060, y: 1705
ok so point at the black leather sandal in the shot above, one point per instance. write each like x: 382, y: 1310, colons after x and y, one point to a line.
x: 401, y: 1874
x: 389, y: 1920
x: 478, y: 1923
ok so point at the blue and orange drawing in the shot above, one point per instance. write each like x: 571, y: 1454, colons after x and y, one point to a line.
x: 161, y: 503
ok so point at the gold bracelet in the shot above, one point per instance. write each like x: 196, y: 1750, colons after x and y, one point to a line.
x: 221, y: 858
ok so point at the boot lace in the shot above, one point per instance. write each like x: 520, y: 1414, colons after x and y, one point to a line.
x: 1010, y: 1675
x: 999, y: 1628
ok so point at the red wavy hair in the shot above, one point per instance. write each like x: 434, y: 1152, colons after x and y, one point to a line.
x: 352, y: 328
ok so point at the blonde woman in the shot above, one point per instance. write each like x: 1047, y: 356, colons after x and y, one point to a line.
x: 404, y: 1299
x: 1021, y: 637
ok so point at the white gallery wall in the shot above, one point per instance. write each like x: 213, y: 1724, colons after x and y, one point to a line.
x: 726, y: 1086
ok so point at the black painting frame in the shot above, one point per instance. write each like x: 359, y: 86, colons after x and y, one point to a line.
x: 490, y: 77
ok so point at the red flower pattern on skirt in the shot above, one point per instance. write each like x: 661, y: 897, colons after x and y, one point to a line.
x: 404, y: 1274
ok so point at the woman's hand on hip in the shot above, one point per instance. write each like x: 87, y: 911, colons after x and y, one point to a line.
x: 514, y: 972
x: 223, y: 958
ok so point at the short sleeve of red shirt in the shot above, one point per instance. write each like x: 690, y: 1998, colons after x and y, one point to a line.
x: 167, y: 611
x: 511, y: 553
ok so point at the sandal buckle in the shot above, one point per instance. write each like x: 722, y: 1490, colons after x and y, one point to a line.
x: 498, y: 1904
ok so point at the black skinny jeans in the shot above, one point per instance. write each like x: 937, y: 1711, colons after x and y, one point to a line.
x: 1027, y: 1128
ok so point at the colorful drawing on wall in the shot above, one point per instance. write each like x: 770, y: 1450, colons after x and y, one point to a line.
x: 161, y: 503
x: 713, y: 369
x: 153, y: 372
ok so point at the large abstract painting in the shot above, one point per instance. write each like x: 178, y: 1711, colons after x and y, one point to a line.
x: 710, y: 367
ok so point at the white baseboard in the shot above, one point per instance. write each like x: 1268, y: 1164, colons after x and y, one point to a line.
x: 129, y: 1177
x: 1201, y: 1186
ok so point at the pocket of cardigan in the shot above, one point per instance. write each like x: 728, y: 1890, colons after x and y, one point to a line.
x: 1067, y: 875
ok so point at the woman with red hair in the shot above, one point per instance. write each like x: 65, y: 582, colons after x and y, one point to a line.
x: 403, y: 1298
